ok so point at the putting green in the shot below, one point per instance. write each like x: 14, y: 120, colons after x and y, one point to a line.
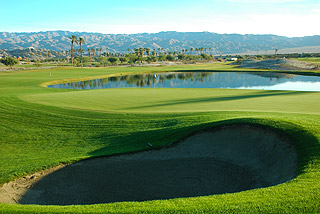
x: 181, y: 100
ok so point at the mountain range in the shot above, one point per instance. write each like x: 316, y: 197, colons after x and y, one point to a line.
x: 169, y: 41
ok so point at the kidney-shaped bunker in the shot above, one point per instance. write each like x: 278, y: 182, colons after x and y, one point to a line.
x: 229, y: 159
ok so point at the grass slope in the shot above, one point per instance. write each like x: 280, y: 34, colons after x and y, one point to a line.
x: 41, y: 127
x: 309, y: 59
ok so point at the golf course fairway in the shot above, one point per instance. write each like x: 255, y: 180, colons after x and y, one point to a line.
x: 43, y: 128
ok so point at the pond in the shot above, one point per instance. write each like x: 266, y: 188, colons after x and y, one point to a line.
x: 230, y: 80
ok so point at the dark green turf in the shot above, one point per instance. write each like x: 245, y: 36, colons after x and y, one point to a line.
x: 41, y: 127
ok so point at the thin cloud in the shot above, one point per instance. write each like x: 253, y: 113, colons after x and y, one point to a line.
x: 316, y: 10
x: 264, y: 1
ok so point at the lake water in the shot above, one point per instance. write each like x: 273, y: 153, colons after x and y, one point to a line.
x: 233, y: 80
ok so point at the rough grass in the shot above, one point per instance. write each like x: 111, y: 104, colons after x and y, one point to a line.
x: 41, y: 127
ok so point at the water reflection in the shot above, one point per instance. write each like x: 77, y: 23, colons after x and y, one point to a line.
x: 256, y: 80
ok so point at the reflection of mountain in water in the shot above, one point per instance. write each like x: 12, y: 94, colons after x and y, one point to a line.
x: 274, y: 75
x: 190, y: 80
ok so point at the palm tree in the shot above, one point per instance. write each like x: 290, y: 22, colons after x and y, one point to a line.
x: 73, y: 39
x: 148, y: 51
x: 136, y: 51
x: 141, y: 51
x: 81, y: 41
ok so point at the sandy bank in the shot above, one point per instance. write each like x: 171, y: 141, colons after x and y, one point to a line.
x: 279, y: 64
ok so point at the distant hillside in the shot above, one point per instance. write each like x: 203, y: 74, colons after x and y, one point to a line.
x: 169, y: 41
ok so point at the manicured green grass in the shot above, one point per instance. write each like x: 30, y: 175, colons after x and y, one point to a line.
x: 42, y: 127
x: 31, y: 65
x: 309, y: 59
x: 181, y: 100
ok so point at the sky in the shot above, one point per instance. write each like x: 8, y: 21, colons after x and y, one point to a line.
x: 291, y: 18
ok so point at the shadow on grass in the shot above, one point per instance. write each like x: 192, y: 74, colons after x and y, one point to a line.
x: 140, y: 141
x: 307, y: 144
x: 220, y: 99
x: 168, y: 133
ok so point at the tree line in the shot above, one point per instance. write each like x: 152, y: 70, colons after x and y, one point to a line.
x: 132, y: 56
x: 98, y: 57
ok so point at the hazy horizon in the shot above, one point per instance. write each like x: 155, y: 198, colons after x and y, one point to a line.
x: 88, y: 32
x: 290, y: 18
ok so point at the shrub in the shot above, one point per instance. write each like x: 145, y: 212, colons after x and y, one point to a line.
x: 37, y: 63
x: 239, y: 60
x: 151, y: 59
x: 10, y: 61
x: 124, y: 59
x: 170, y: 58
x: 113, y: 60
x: 162, y: 57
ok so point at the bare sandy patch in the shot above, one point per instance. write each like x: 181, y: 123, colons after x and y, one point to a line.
x: 279, y: 64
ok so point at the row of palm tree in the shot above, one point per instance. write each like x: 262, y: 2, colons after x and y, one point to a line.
x: 79, y: 41
x: 138, y: 51
x: 160, y: 51
x: 93, y: 51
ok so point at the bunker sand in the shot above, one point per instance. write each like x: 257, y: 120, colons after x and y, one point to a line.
x: 224, y: 160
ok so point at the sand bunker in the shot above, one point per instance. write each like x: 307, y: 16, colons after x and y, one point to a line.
x: 224, y: 160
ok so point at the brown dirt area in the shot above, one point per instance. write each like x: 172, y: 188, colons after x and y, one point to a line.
x: 225, y: 160
x: 279, y: 64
